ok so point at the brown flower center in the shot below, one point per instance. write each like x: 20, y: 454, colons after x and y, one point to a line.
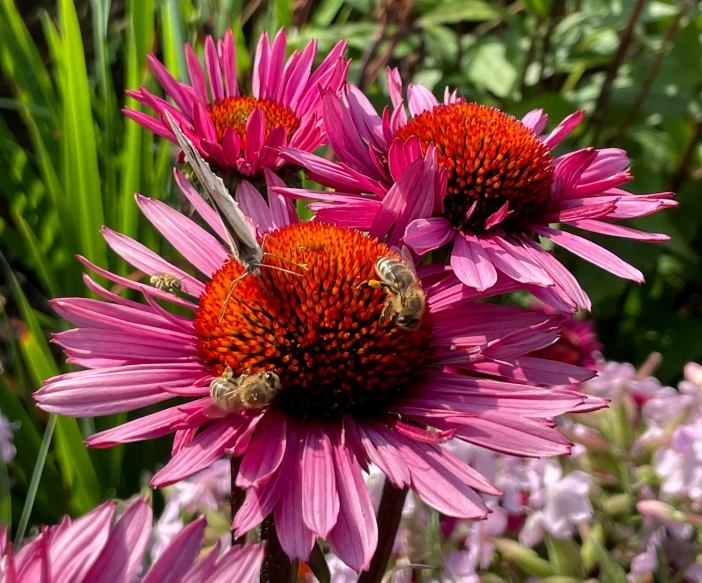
x: 233, y: 112
x: 491, y: 158
x: 320, y: 332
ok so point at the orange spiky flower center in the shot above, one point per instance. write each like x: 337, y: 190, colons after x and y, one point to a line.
x: 234, y: 112
x: 319, y: 331
x: 491, y: 158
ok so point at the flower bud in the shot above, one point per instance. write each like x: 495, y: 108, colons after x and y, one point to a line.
x: 618, y: 505
x: 526, y: 559
x: 588, y: 550
x: 564, y: 556
x: 693, y: 373
x: 659, y: 511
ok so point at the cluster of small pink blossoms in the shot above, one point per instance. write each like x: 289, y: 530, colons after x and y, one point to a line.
x: 359, y: 391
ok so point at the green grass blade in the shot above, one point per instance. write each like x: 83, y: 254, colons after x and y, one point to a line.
x: 38, y: 259
x: 80, y: 161
x: 172, y: 34
x: 76, y: 465
x: 36, y: 478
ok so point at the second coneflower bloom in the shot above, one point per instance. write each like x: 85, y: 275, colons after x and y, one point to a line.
x: 240, y: 133
x: 355, y: 390
x: 476, y: 179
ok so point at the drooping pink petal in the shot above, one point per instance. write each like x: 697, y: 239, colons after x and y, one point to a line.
x: 384, y: 455
x: 471, y: 263
x: 512, y: 260
x: 206, y: 448
x: 355, y: 536
x: 265, y: 453
x: 435, y: 483
x: 365, y: 118
x: 240, y: 564
x: 535, y: 120
x: 295, y: 538
x: 171, y: 86
x: 320, y: 500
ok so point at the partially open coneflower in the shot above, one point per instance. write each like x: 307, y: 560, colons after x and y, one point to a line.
x: 353, y: 389
x: 472, y: 177
x: 96, y: 547
x: 239, y: 133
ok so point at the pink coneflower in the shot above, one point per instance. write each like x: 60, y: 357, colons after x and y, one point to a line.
x: 488, y: 185
x: 92, y: 548
x: 241, y: 133
x: 353, y: 390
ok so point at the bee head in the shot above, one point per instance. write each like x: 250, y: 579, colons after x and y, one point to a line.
x: 408, y: 322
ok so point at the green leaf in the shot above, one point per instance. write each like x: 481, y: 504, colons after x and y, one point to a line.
x: 487, y: 65
x: 40, y: 262
x: 461, y: 11
x: 610, y: 570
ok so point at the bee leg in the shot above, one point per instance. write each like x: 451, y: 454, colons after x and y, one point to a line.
x: 228, y: 373
x: 386, y: 313
x: 373, y: 283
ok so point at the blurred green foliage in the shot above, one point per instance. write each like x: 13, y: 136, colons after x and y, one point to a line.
x: 70, y: 162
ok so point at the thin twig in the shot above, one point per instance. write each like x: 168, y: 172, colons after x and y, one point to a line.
x: 276, y: 567
x: 237, y: 497
x: 603, y: 98
x: 363, y: 76
x: 389, y: 515
x: 653, y: 71
x: 682, y: 172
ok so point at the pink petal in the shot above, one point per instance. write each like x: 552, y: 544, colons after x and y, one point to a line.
x: 255, y: 137
x: 152, y: 124
x: 149, y: 262
x: 126, y: 545
x: 231, y: 146
x: 569, y: 169
x: 509, y: 434
x: 202, y: 568
x: 265, y: 453
x: 320, y: 501
x: 254, y: 206
x: 605, y: 228
x: 200, y: 248
x: 590, y: 252
x: 295, y: 538
x: 275, y: 65
x: 171, y: 86
x: 436, y: 484
x: 205, y: 449
x: 283, y: 210
x: 563, y: 129
x: 202, y: 122
x: 260, y: 67
x: 607, y: 162
x: 227, y: 59
x: 471, y: 263
x: 497, y: 217
x: 355, y: 535
x: 209, y: 215
x: 179, y: 555
x: 423, y: 235
x: 365, y: 118
x: 147, y: 427
x: 420, y: 99
x: 240, y: 564
x: 74, y: 550
x: 344, y: 138
x: 298, y: 76
x: 535, y: 120
x: 402, y: 154
x: 512, y: 260
x: 197, y: 75
x: 384, y: 455
x: 394, y: 86
x: 213, y: 71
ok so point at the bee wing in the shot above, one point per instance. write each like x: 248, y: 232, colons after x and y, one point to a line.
x: 406, y: 258
x: 214, y: 411
x: 243, y: 243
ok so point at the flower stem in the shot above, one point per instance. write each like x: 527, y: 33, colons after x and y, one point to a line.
x: 237, y: 497
x: 389, y: 515
x: 276, y: 567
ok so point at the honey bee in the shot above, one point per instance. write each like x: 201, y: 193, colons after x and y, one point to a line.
x: 405, y: 302
x: 249, y: 391
x: 166, y: 281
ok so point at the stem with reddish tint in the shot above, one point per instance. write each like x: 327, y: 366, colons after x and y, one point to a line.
x: 237, y: 497
x: 276, y: 567
x: 389, y: 514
